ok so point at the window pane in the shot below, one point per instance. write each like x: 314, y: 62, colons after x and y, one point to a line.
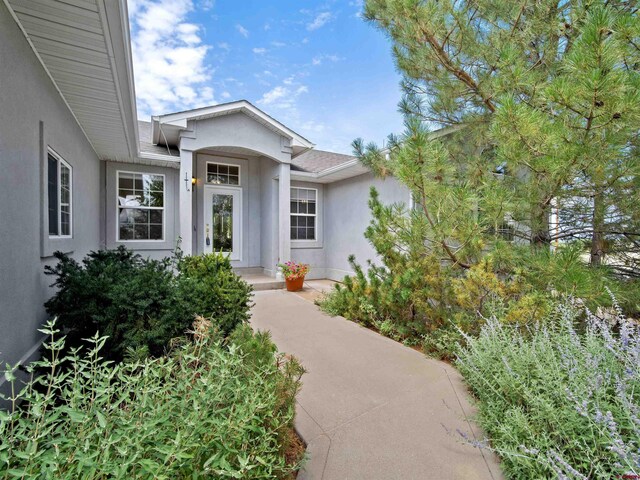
x: 302, y: 233
x: 155, y: 216
x: 126, y: 232
x: 137, y: 183
x: 141, y: 232
x: 52, y: 183
x: 223, y: 174
x: 156, y: 199
x: 294, y: 233
x: 311, y: 233
x: 125, y: 181
x: 65, y: 177
x: 294, y: 207
x: 155, y: 232
x: 222, y: 222
x: 65, y: 223
x: 311, y: 207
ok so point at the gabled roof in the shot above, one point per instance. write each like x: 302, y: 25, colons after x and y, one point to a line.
x: 172, y: 123
x: 85, y: 48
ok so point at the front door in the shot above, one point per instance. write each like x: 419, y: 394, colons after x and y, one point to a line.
x: 222, y: 222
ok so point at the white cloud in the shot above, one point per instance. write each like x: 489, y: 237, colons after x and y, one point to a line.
x: 278, y: 44
x: 207, y: 4
x: 226, y: 95
x: 260, y: 51
x: 242, y: 31
x: 320, y: 21
x: 169, y: 57
x: 273, y: 95
x: 317, y: 60
x: 224, y: 46
x: 284, y: 97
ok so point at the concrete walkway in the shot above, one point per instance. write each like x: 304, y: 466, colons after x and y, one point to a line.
x: 371, y: 408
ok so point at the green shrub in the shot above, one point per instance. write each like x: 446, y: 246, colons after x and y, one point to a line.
x: 557, y: 403
x: 141, y: 304
x: 119, y: 294
x: 208, y: 286
x: 204, y: 410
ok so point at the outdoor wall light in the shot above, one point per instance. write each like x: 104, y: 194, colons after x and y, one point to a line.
x: 193, y: 180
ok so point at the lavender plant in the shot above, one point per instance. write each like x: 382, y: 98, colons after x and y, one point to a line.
x: 562, y: 400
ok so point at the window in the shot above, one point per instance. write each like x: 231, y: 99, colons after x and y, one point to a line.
x: 303, y: 213
x: 140, y: 206
x: 222, y: 174
x: 59, y: 194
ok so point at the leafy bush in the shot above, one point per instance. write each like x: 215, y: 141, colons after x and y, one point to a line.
x: 204, y: 410
x: 208, y: 286
x: 558, y: 403
x: 141, y: 304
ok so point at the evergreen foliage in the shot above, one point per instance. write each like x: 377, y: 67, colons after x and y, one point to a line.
x: 141, y: 304
x: 540, y: 104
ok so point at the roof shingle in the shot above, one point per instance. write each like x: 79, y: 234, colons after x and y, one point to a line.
x: 146, y: 145
x: 315, y: 161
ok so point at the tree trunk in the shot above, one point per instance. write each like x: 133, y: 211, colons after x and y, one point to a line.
x: 540, y: 236
x: 597, y: 238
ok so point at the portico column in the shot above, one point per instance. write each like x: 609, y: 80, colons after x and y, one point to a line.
x: 185, y: 201
x: 284, y: 220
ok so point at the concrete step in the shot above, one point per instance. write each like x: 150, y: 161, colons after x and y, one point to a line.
x: 249, y: 271
x: 263, y: 282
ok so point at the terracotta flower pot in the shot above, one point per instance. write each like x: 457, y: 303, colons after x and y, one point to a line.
x: 294, y: 284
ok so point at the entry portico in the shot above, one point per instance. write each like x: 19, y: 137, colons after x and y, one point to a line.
x: 235, y: 181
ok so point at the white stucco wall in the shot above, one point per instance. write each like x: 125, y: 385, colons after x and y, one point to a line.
x: 33, y: 117
x: 347, y: 216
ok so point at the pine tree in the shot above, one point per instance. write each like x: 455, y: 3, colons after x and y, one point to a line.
x: 540, y: 105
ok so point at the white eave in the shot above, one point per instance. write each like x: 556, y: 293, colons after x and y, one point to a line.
x: 166, y: 128
x: 85, y: 48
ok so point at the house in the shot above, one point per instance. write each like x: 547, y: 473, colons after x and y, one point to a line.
x: 80, y: 173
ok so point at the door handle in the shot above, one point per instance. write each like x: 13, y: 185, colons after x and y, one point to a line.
x: 207, y: 239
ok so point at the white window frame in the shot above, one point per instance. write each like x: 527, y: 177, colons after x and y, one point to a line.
x: 206, y: 174
x: 163, y: 208
x: 291, y: 214
x: 62, y: 161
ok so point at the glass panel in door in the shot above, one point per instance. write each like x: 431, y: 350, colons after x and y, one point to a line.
x: 222, y: 222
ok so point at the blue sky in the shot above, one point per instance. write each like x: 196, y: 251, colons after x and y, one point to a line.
x: 314, y: 65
